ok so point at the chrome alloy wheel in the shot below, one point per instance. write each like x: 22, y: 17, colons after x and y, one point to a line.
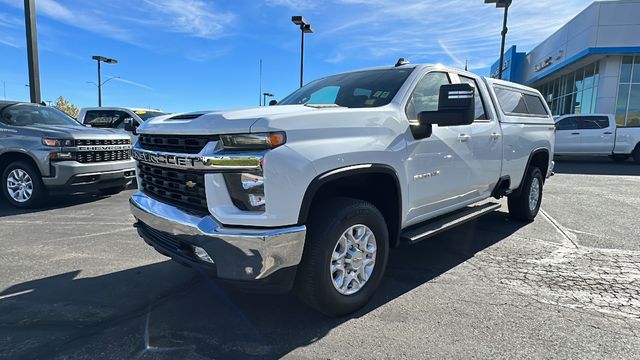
x: 534, y: 194
x: 353, y: 259
x: 19, y: 185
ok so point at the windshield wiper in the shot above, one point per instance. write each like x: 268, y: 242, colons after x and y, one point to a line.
x: 323, y: 106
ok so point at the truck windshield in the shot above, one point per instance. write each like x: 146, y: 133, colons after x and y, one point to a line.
x: 145, y: 115
x: 369, y: 88
x: 28, y: 115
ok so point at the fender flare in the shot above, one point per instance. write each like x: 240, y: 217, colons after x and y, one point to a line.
x: 533, y: 153
x: 343, y: 172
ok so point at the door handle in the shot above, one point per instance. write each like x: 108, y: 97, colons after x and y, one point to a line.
x: 495, y: 136
x: 575, y: 133
x: 464, y: 137
x: 608, y: 133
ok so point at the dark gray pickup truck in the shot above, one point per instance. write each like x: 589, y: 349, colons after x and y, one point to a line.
x: 43, y: 150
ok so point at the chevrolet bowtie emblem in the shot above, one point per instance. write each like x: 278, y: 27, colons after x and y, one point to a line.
x: 190, y: 184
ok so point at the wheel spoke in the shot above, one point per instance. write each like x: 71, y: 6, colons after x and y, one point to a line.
x: 353, y: 259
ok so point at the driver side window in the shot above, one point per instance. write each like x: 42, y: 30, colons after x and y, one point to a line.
x: 426, y: 94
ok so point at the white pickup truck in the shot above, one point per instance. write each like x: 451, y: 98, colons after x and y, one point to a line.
x: 596, y: 135
x: 311, y: 193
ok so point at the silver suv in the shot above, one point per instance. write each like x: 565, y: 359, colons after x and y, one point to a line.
x: 43, y: 150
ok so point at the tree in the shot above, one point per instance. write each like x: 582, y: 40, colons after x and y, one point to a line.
x: 67, y: 107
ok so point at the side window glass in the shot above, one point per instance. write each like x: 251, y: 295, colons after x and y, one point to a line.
x: 588, y: 123
x: 602, y: 121
x: 480, y: 112
x: 511, y: 102
x: 534, y: 105
x: 567, y: 124
x: 426, y: 93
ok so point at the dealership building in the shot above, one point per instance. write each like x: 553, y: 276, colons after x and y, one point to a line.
x: 590, y: 65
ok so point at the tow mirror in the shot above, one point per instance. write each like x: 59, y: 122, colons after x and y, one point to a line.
x: 273, y: 102
x: 456, y: 106
x: 129, y: 125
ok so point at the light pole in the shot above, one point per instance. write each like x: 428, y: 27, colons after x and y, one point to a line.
x: 501, y: 4
x: 103, y: 59
x: 32, y: 50
x: 305, y: 28
x: 265, y: 96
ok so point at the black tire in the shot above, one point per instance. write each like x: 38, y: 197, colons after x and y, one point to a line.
x: 619, y: 157
x: 519, y: 205
x: 113, y: 190
x: 314, y: 281
x: 636, y: 154
x: 38, y: 191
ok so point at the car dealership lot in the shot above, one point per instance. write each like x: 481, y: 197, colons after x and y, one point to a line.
x: 76, y: 281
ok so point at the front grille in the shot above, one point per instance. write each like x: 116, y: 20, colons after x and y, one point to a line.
x: 102, y: 156
x: 185, y: 144
x: 170, y: 186
x: 103, y: 142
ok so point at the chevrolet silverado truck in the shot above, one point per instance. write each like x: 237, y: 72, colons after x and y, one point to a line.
x: 43, y: 150
x: 596, y: 135
x: 311, y: 193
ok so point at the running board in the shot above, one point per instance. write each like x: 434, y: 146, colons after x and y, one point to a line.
x: 445, y: 222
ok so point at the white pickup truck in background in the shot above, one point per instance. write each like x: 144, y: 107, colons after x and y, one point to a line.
x: 596, y: 135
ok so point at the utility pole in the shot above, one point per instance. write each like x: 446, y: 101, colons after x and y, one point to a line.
x: 4, y: 89
x: 501, y: 4
x: 100, y: 59
x: 32, y: 50
x: 260, y: 92
x: 305, y: 28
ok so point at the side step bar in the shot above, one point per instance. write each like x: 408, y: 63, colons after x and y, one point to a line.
x: 445, y: 222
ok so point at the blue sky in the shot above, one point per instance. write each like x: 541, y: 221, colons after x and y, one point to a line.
x: 183, y: 55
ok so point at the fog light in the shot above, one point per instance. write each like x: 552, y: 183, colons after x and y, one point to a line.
x: 60, y: 156
x: 202, y: 254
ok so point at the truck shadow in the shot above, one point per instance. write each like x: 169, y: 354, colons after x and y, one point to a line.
x: 595, y: 166
x: 164, y: 310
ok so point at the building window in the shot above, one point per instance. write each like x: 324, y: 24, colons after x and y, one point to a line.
x: 628, y: 103
x: 573, y: 93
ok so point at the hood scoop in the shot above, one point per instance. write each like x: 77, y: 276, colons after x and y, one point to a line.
x: 187, y: 116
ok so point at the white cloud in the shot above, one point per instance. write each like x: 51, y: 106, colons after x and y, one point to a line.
x: 295, y: 4
x: 337, y: 58
x: 192, y: 17
x: 133, y: 83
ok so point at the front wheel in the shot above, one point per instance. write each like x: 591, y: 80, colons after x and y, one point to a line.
x: 22, y: 185
x: 345, y: 256
x: 525, y: 204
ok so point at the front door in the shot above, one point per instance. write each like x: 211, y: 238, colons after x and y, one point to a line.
x: 567, y: 136
x: 596, y: 136
x: 438, y: 166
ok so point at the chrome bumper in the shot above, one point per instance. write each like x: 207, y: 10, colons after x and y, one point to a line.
x: 238, y: 254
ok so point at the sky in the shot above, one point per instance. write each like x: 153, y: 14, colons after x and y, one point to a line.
x: 187, y: 55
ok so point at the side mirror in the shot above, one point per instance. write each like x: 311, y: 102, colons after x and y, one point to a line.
x: 129, y: 125
x: 273, y: 102
x: 456, y: 106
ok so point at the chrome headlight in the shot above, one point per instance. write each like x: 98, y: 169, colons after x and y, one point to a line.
x: 57, y: 142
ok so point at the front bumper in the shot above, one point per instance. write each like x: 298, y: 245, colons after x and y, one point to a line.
x: 75, y: 176
x: 238, y: 254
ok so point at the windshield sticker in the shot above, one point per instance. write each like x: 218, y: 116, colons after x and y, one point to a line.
x: 370, y: 102
x: 385, y: 94
x: 377, y: 94
x: 140, y: 112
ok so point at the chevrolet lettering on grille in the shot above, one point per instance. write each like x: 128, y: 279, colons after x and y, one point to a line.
x: 167, y: 159
x: 103, y: 147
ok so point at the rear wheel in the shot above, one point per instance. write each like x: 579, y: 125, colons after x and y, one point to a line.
x: 345, y: 256
x: 525, y: 204
x: 22, y: 185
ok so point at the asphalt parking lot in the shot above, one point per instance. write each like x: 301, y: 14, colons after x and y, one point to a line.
x: 77, y: 282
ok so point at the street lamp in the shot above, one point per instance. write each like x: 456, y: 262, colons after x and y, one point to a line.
x: 304, y: 28
x: 265, y: 96
x: 501, y: 4
x: 103, y: 59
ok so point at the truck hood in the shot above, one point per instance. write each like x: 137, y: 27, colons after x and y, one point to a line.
x: 75, y: 132
x: 221, y: 122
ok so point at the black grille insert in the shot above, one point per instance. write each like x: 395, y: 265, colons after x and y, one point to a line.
x: 103, y: 142
x: 181, y: 188
x: 186, y: 144
x: 102, y: 156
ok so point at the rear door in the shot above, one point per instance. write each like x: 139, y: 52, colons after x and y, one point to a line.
x: 596, y: 135
x: 567, y: 136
